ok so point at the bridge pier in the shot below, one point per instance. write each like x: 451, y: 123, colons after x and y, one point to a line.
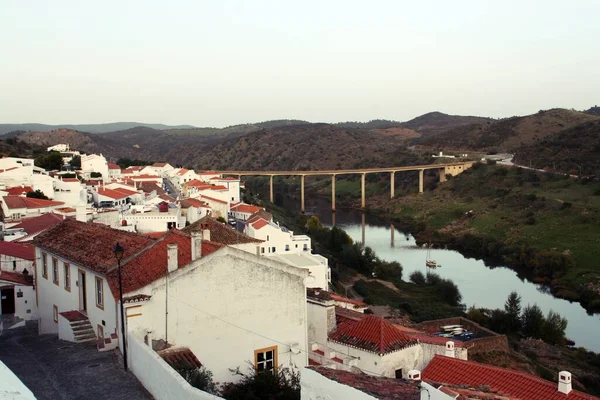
x: 421, y: 171
x: 271, y: 189
x: 392, y: 229
x: 302, y: 193
x: 363, y: 225
x: 443, y: 175
x: 392, y: 184
x: 362, y: 191
x: 333, y: 192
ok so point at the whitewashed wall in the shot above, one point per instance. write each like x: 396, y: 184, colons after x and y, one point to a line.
x: 430, y: 350
x: 321, y: 318
x: 25, y: 303
x: 6, y: 263
x: 162, y: 381
x: 314, y: 386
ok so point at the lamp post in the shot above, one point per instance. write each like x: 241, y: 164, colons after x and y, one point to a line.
x: 118, y: 250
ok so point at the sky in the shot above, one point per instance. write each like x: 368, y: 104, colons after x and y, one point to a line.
x: 222, y: 62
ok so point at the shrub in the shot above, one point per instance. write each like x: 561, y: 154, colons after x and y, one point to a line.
x: 417, y: 277
x: 282, y: 385
x: 200, y: 378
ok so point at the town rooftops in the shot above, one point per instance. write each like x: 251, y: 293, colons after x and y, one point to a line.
x: 90, y: 244
x: 18, y: 190
x: 221, y: 233
x: 117, y: 193
x: 213, y: 199
x: 113, y: 166
x: 378, y: 387
x: 260, y: 214
x: 259, y: 223
x: 159, y: 164
x: 191, y: 202
x: 183, y: 171
x: 16, y: 277
x: 18, y: 250
x: 372, y: 333
x: 508, y: 382
x: 33, y: 225
x: 13, y: 202
x: 246, y: 208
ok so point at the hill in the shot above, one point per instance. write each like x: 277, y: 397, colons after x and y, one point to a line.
x: 91, y: 128
x: 13, y: 147
x: 303, y: 147
x: 508, y: 134
x: 436, y: 122
x: 575, y: 151
x: 593, y: 111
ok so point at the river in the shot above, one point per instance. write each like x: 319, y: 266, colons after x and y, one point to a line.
x: 479, y: 285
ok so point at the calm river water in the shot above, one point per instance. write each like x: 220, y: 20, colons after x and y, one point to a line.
x: 479, y: 285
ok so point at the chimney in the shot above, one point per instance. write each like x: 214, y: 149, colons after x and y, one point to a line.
x: 149, y: 338
x: 564, y: 382
x: 172, y: 257
x: 450, y: 349
x: 81, y: 215
x: 205, y: 231
x: 196, y: 245
x: 414, y: 375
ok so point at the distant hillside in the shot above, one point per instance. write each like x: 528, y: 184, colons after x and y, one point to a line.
x: 91, y: 128
x: 13, y: 147
x: 373, y: 124
x: 593, y: 111
x: 567, y: 151
x: 304, y: 147
x: 508, y: 134
x: 437, y: 122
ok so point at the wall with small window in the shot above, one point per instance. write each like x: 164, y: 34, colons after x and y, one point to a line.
x: 15, y: 264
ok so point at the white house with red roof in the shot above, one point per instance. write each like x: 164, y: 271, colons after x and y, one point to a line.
x: 278, y: 239
x: 233, y: 187
x: 131, y: 171
x: 219, y: 207
x: 95, y: 163
x: 25, y: 230
x: 159, y: 168
x: 119, y: 196
x: 114, y: 171
x: 243, y: 211
x: 182, y: 176
x: 15, y: 257
x: 70, y: 191
x: 15, y: 208
x: 194, y: 209
x: 17, y: 294
x: 224, y: 304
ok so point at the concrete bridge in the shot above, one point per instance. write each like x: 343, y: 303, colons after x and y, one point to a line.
x: 443, y: 169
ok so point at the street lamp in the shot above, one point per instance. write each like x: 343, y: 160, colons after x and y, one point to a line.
x: 118, y: 250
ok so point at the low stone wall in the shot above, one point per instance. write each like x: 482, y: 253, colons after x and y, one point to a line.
x: 488, y: 342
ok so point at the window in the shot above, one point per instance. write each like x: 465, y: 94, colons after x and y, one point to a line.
x: 265, y: 359
x: 14, y: 265
x: 262, y: 250
x: 55, y: 313
x: 67, y: 277
x: 272, y: 249
x: 100, y: 293
x: 55, y: 271
x: 45, y: 265
x: 267, y: 238
x: 287, y: 247
x: 305, y: 247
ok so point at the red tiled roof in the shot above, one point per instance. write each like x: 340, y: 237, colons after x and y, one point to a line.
x: 182, y: 171
x: 372, y: 333
x: 213, y: 199
x: 131, y: 170
x: 344, y: 315
x: 509, y: 382
x: 70, y: 180
x: 37, y: 224
x: 19, y: 250
x: 221, y: 233
x: 159, y: 164
x: 18, y: 190
x: 181, y: 357
x: 186, y: 203
x: 15, y: 277
x: 89, y: 244
x: 260, y: 223
x: 145, y: 176
x: 246, y: 208
x: 313, y: 363
x: 116, y: 194
x: 155, y: 235
x: 151, y: 264
x: 113, y: 166
x: 29, y: 202
x: 197, y: 183
x: 378, y: 387
x: 431, y: 339
x: 65, y: 209
x: 337, y: 297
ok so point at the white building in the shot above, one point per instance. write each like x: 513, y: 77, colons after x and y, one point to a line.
x: 218, y: 232
x: 155, y: 219
x: 59, y: 147
x: 94, y: 163
x: 15, y: 208
x: 232, y: 185
x: 114, y: 171
x: 183, y: 176
x: 221, y: 301
x: 243, y: 211
x: 317, y: 266
x: 16, y: 281
x: 278, y: 239
x: 160, y: 168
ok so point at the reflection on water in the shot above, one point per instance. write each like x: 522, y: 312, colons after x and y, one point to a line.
x: 479, y: 285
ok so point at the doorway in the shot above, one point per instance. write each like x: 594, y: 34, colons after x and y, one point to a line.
x: 82, y: 291
x: 398, y: 373
x: 7, y: 304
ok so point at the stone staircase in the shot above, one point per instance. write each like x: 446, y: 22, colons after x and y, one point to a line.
x: 83, y: 331
x: 108, y: 343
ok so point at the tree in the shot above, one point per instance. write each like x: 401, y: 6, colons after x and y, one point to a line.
x: 38, y: 194
x: 49, y: 161
x: 284, y: 384
x: 417, y: 277
x: 512, y: 308
x: 76, y: 162
x: 96, y: 175
x: 200, y: 378
x: 554, y: 328
x: 533, y: 321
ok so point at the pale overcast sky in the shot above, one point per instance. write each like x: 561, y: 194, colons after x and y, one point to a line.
x: 220, y: 62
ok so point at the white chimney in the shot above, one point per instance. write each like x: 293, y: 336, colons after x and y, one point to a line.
x: 414, y: 375
x: 81, y: 215
x: 450, y: 349
x: 149, y: 338
x: 205, y: 228
x: 196, y: 245
x: 564, y: 382
x: 172, y: 257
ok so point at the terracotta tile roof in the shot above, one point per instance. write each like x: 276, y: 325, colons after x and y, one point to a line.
x: 343, y: 299
x: 113, y: 166
x: 246, y: 208
x: 378, y: 387
x: 344, y: 315
x: 145, y: 176
x: 372, y: 333
x: 181, y: 357
x: 260, y: 214
x: 260, y: 223
x: 151, y: 264
x: 504, y: 381
x: 16, y: 277
x: 148, y: 187
x: 431, y: 339
x: 27, y: 202
x: 70, y: 180
x: 116, y: 194
x: 197, y: 183
x: 136, y: 298
x: 65, y: 209
x: 37, y: 224
x: 213, y: 199
x: 183, y: 171
x: 89, y: 244
x: 187, y: 203
x: 19, y: 250
x: 221, y: 233
x: 16, y: 191
x: 159, y: 164
x: 166, y: 197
